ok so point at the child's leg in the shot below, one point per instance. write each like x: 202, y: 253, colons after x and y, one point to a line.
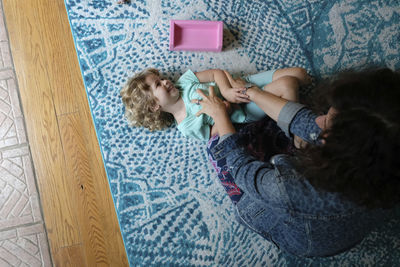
x: 285, y: 87
x: 299, y: 73
x: 261, y: 79
x: 283, y: 83
x: 253, y: 112
x: 286, y: 82
x: 276, y: 82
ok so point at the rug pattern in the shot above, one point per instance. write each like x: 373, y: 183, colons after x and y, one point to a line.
x: 171, y: 208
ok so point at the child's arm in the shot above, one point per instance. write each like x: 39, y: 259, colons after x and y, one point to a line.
x: 214, y: 75
x: 233, y: 95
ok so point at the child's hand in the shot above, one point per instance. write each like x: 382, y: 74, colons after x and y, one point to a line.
x: 238, y: 83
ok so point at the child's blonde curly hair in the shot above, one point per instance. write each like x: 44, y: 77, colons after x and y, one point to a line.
x: 139, y: 103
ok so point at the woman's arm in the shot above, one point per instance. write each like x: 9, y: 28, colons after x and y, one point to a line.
x: 268, y: 102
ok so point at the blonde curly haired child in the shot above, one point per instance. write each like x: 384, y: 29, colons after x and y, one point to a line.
x: 139, y: 101
x: 155, y: 103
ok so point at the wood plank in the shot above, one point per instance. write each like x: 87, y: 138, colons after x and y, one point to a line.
x: 113, y: 239
x: 114, y: 242
x: 86, y: 199
x: 70, y: 256
x: 101, y: 242
x: 60, y: 65
x: 41, y: 123
x: 71, y: 58
x: 115, y: 246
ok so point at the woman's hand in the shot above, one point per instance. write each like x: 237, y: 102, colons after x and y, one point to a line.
x: 214, y: 107
x: 211, y: 105
x: 236, y: 95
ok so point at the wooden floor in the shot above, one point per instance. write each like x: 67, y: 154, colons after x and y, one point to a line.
x: 78, y: 210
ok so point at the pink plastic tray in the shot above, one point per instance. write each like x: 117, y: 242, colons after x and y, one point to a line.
x: 196, y: 35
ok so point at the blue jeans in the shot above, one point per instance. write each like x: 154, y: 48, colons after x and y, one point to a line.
x: 262, y: 139
x: 226, y: 179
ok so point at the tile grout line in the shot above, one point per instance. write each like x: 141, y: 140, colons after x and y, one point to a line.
x: 20, y: 226
x: 11, y: 147
x: 6, y: 68
x: 25, y: 144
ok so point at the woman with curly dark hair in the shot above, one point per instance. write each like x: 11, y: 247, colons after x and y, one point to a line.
x: 343, y: 182
x: 361, y: 142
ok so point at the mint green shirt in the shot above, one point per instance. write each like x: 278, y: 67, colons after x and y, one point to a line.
x: 199, y: 127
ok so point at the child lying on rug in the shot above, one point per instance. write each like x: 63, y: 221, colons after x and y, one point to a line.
x: 155, y: 103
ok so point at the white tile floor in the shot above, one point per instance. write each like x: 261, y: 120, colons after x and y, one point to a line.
x: 23, y: 240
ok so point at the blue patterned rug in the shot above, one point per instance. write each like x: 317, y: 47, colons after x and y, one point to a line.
x: 171, y: 208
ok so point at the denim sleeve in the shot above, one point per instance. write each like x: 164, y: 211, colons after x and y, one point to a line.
x: 254, y: 177
x: 303, y: 125
x: 287, y: 114
x: 225, y: 136
x: 296, y: 119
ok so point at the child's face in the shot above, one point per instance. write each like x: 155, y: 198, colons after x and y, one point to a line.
x: 164, y: 90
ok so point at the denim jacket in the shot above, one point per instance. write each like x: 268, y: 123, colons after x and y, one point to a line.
x: 283, y: 207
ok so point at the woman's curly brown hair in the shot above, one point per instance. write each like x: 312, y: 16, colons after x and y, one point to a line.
x: 139, y: 103
x: 361, y: 155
